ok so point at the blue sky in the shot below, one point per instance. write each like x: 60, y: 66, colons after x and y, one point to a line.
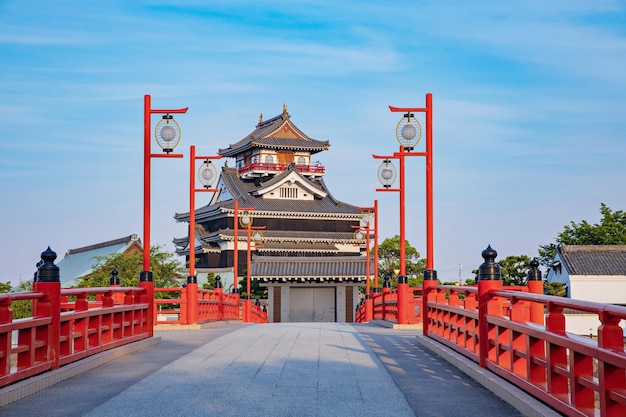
x: 529, y: 112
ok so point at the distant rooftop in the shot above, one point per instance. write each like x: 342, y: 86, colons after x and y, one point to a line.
x: 79, y: 262
x: 594, y: 259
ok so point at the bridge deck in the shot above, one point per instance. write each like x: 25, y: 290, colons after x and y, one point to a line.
x: 297, y: 369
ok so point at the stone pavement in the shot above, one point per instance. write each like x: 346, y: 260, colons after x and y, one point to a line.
x: 289, y: 369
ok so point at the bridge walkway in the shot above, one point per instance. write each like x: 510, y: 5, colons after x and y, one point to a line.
x: 290, y: 369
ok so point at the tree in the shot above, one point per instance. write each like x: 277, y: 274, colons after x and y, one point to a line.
x: 21, y: 308
x: 164, y: 267
x: 210, y: 284
x: 389, y: 260
x: 255, y: 288
x: 514, y: 270
x: 610, y: 231
x: 5, y: 287
x: 555, y: 288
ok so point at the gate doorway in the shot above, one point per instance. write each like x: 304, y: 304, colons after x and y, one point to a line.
x: 312, y: 304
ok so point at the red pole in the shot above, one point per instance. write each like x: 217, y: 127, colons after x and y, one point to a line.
x: 367, y: 256
x: 145, y: 277
x: 402, y: 215
x: 146, y: 182
x: 192, y: 211
x: 430, y: 275
x: 236, y: 247
x: 192, y: 282
x: 248, y: 302
x: 430, y: 247
x: 403, y: 286
x: 376, y: 244
x: 369, y: 313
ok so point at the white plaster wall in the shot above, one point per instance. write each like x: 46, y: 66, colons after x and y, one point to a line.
x: 284, y: 304
x: 610, y: 289
x: 584, y: 324
x: 340, y: 300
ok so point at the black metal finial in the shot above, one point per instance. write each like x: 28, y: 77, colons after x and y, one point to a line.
x: 534, y: 274
x: 386, y: 281
x: 489, y: 270
x: 48, y: 271
x: 115, y: 279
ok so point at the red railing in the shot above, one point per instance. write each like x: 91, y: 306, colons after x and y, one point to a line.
x: 68, y: 322
x: 212, y: 305
x: 52, y: 337
x: 385, y: 306
x: 260, y: 166
x: 258, y: 315
x: 574, y: 375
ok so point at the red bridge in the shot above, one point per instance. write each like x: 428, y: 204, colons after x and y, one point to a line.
x: 497, y: 335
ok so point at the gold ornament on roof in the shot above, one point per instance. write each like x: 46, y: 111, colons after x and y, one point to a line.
x: 284, y: 107
x: 261, y: 118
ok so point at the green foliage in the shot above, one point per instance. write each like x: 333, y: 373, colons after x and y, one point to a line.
x: 416, y: 280
x: 470, y: 281
x: 164, y: 267
x: 514, y: 270
x: 21, y: 308
x: 210, y: 284
x: 255, y: 288
x: 5, y: 287
x: 389, y: 260
x: 610, y: 231
x: 555, y: 288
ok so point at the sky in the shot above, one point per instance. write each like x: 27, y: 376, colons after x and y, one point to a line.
x: 529, y: 113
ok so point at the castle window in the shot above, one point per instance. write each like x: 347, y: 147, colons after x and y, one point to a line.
x: 269, y: 159
x: 301, y: 160
x: 288, y: 192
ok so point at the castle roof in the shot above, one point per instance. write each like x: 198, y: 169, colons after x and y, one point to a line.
x: 248, y: 194
x: 276, y: 133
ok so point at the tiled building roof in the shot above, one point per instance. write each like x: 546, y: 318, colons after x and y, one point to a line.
x: 243, y: 190
x: 594, y: 259
x: 303, y: 269
x: 269, y: 134
x: 79, y: 262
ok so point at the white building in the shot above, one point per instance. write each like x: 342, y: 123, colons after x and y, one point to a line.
x: 591, y: 273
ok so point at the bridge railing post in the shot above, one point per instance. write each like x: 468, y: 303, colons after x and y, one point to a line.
x: 385, y: 292
x: 489, y: 278
x: 611, y: 336
x: 192, y: 299
x: 146, y: 281
x: 535, y: 286
x: 430, y: 280
x: 49, y: 281
x: 219, y: 289
x: 115, y: 282
x: 403, y: 299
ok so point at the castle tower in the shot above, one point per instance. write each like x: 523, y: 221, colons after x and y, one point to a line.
x: 309, y: 260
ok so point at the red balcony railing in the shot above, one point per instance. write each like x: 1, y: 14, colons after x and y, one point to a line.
x: 265, y: 167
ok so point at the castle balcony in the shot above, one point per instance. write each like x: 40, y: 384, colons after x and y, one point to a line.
x: 260, y: 169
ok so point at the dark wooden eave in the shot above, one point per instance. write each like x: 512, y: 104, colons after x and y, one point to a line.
x: 267, y: 135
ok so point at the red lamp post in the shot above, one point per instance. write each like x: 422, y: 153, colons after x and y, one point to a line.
x: 236, y: 209
x: 246, y: 222
x: 408, y: 134
x: 369, y: 216
x: 207, y: 175
x: 167, y: 135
